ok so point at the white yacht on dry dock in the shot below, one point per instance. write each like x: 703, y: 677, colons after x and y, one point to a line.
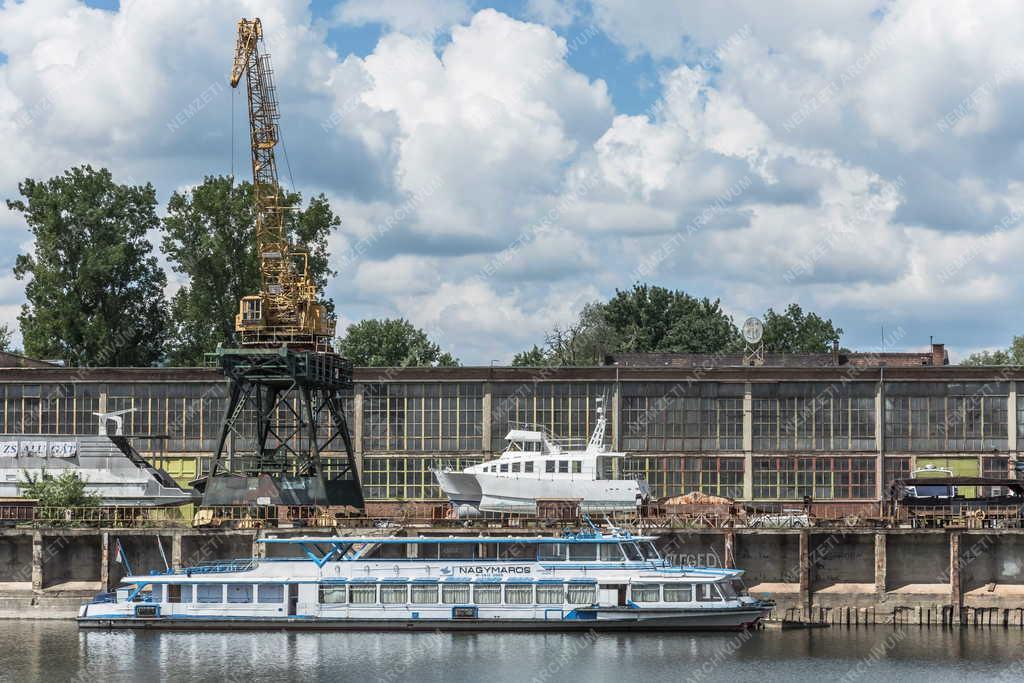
x: 535, y: 467
x: 582, y: 581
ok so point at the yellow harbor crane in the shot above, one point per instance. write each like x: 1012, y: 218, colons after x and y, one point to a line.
x: 283, y: 374
x: 286, y: 311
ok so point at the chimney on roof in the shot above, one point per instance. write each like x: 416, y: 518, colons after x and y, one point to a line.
x: 835, y: 352
x: 939, y: 356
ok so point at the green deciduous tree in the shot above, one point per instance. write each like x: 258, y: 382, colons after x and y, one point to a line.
x: 582, y: 342
x: 649, y: 318
x: 1011, y: 356
x: 95, y: 289
x: 534, y: 358
x: 794, y: 331
x: 652, y: 318
x: 391, y: 343
x: 55, y: 495
x: 208, y: 236
x: 6, y: 336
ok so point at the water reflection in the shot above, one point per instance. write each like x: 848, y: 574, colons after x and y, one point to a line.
x: 57, y: 651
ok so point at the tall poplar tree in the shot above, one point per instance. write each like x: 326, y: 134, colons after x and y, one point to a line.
x: 94, y: 291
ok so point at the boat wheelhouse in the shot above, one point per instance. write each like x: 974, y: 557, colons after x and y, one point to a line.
x: 536, y: 466
x: 577, y: 581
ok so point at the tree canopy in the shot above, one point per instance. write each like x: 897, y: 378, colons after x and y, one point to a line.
x: 57, y: 494
x: 794, y: 331
x: 583, y: 342
x: 389, y: 342
x: 1014, y: 355
x: 652, y: 318
x: 6, y: 337
x: 208, y: 237
x: 532, y: 358
x: 95, y: 292
x: 648, y: 318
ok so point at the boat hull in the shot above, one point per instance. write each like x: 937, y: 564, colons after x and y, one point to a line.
x: 704, y: 620
x: 461, y: 488
x: 507, y: 494
x: 490, y: 493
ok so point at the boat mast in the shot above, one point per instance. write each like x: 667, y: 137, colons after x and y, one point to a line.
x: 596, y: 442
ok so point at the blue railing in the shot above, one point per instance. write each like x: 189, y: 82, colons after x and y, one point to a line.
x: 219, y: 567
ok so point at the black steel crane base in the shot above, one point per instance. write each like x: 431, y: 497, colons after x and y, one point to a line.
x: 296, y: 398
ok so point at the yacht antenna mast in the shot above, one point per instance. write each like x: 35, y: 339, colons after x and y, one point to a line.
x: 596, y: 442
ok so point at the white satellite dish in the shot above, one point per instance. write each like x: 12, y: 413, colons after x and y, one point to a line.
x: 752, y: 331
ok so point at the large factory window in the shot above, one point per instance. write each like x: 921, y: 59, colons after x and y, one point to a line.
x: 57, y: 408
x: 810, y: 416
x: 1020, y: 419
x: 932, y: 416
x: 995, y: 468
x: 682, y: 416
x: 818, y: 477
x: 567, y: 410
x: 407, y: 477
x: 678, y: 475
x: 46, y: 409
x: 894, y: 468
x: 422, y: 417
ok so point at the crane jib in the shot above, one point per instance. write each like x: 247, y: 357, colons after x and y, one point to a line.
x: 286, y: 311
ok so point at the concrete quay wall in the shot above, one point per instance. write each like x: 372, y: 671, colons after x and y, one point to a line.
x: 895, y: 576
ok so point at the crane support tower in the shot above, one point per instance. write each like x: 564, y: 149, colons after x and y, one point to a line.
x: 284, y: 375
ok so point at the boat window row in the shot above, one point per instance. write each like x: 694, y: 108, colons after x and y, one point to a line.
x: 606, y: 552
x: 550, y: 467
x: 262, y: 593
x: 546, y: 552
x: 526, y: 467
x: 684, y: 592
x: 459, y: 594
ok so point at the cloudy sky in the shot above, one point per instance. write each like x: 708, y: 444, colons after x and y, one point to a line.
x: 497, y: 165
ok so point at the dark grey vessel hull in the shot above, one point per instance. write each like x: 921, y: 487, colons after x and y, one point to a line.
x: 605, y: 620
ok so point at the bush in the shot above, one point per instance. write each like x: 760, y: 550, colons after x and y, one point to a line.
x: 58, y: 494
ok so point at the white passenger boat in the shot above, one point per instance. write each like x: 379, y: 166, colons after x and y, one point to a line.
x: 537, y: 467
x: 577, y: 581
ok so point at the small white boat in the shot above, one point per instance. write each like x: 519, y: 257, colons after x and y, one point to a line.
x: 536, y: 466
x: 579, y: 581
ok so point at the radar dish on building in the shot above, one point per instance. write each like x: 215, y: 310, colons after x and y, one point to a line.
x: 752, y: 331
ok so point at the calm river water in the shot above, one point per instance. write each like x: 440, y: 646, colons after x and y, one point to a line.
x: 57, y: 651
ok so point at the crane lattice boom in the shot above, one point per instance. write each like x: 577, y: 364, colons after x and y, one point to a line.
x: 285, y: 312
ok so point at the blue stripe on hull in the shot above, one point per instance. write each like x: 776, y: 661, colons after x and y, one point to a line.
x: 585, y: 619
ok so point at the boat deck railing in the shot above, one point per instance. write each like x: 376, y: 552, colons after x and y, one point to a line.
x: 220, y: 566
x: 564, y: 443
